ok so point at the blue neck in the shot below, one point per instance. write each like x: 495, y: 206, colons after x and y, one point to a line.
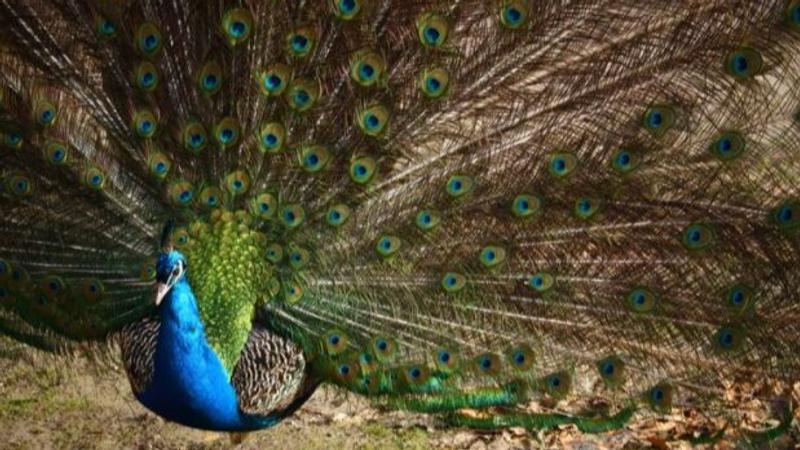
x: 190, y: 386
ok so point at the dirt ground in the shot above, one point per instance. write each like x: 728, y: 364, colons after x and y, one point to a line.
x: 49, y: 403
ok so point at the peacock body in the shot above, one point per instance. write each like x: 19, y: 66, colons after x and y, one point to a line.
x: 442, y: 205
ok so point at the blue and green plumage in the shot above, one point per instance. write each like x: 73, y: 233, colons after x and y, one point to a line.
x: 439, y: 205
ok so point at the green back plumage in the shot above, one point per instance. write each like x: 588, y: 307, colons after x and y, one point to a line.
x: 447, y: 204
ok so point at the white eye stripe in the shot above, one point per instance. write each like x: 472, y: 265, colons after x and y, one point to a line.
x: 176, y: 274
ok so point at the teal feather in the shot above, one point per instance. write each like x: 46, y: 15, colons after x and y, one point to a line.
x: 440, y: 205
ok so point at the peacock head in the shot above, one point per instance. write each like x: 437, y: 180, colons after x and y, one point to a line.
x: 170, y: 269
x: 171, y: 266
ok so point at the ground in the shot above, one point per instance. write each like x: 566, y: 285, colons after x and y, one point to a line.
x: 49, y: 403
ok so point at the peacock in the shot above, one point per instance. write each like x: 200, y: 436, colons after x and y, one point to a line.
x: 454, y: 207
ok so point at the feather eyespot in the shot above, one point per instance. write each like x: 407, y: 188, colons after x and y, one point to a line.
x: 347, y: 9
x: 194, y: 137
x: 387, y: 245
x: 427, y: 219
x: 314, y: 158
x: 56, y: 153
x: 271, y: 137
x: 149, y: 39
x: 728, y: 146
x: 273, y: 80
x: 363, y: 169
x: 300, y: 43
x: 302, y: 94
x: 227, y: 132
x: 366, y: 67
x: 432, y: 30
x: 237, y: 25
x: 264, y: 205
x: 743, y: 63
x: 292, y: 216
x: 434, y: 82
x: 641, y: 300
x: 460, y: 185
x: 453, y: 282
x: 541, y: 282
x: 338, y: 215
x: 513, y: 15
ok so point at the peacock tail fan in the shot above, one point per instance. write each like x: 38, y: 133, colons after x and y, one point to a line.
x: 447, y: 204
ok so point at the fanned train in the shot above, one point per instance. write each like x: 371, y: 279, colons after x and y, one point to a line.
x: 454, y: 207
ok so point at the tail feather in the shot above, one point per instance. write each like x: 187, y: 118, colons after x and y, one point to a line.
x: 587, y: 198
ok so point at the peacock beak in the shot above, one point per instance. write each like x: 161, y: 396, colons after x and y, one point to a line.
x: 161, y: 291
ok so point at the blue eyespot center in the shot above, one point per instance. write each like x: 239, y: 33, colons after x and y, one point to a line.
x: 238, y: 184
x: 490, y: 255
x: 426, y: 218
x: 725, y: 145
x: 555, y: 382
x: 96, y: 180
x: 432, y: 35
x: 624, y: 159
x: 289, y: 216
x: 433, y: 84
x: 737, y: 297
x: 299, y: 42
x: 486, y: 363
x: 726, y: 338
x: 237, y: 29
x: 608, y: 368
x: 108, y: 27
x: 58, y: 155
x: 367, y: 71
x: 334, y: 340
x: 657, y: 394
x: 740, y: 64
x: 639, y: 298
x: 263, y: 207
x: 212, y: 200
x: 47, y: 116
x: 344, y: 369
x: 694, y: 235
x: 415, y: 372
x: 161, y: 167
x: 519, y: 358
x: 302, y: 97
x: 371, y: 121
x: 347, y: 6
x: 335, y: 215
x: 655, y: 119
x: 513, y: 15
x: 270, y: 140
x: 382, y: 345
x: 273, y: 82
x: 150, y: 42
x: 444, y: 357
x: 312, y: 160
x: 210, y: 81
x: 456, y: 185
x: 226, y: 135
x: 361, y: 170
x: 451, y: 281
x: 146, y: 126
x: 196, y: 140
x: 785, y: 214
